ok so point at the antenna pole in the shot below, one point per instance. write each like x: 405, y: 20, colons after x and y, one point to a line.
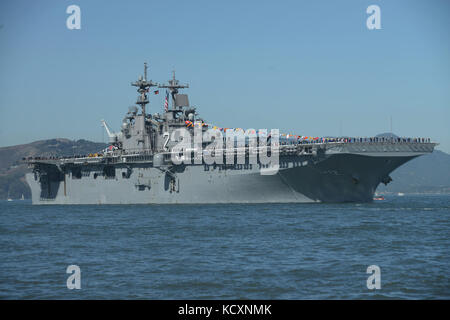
x: 145, y: 71
x: 391, y: 123
x: 143, y: 87
x: 173, y: 85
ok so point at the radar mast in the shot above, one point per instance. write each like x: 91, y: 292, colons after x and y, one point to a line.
x: 173, y: 85
x: 143, y: 87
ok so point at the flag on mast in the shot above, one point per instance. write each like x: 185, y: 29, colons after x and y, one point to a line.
x: 166, y: 102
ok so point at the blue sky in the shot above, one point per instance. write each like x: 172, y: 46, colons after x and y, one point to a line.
x: 305, y: 67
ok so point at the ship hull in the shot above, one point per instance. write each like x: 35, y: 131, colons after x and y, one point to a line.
x: 335, y: 178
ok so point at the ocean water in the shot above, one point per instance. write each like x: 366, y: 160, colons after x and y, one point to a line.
x: 266, y: 251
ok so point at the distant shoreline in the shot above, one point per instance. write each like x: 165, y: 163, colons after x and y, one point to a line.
x: 431, y: 193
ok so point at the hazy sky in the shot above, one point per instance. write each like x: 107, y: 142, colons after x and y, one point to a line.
x: 305, y: 67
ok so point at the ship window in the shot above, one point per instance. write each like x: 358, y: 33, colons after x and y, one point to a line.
x: 76, y: 173
x: 109, y: 172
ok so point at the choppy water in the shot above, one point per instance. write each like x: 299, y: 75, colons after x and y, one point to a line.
x: 276, y: 251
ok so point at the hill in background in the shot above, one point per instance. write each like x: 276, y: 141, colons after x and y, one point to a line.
x: 425, y: 174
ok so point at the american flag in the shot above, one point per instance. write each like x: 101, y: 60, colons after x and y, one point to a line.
x: 166, y: 102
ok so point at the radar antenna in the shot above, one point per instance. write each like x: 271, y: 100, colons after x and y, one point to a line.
x: 143, y: 87
x: 173, y: 85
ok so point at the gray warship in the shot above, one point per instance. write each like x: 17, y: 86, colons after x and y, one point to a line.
x: 139, y: 166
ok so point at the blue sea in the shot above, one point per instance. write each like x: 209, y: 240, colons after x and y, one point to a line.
x: 266, y: 251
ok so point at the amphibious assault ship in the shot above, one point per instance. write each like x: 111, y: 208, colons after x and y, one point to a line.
x: 143, y: 165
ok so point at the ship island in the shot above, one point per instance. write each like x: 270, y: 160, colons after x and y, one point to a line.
x: 144, y: 163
